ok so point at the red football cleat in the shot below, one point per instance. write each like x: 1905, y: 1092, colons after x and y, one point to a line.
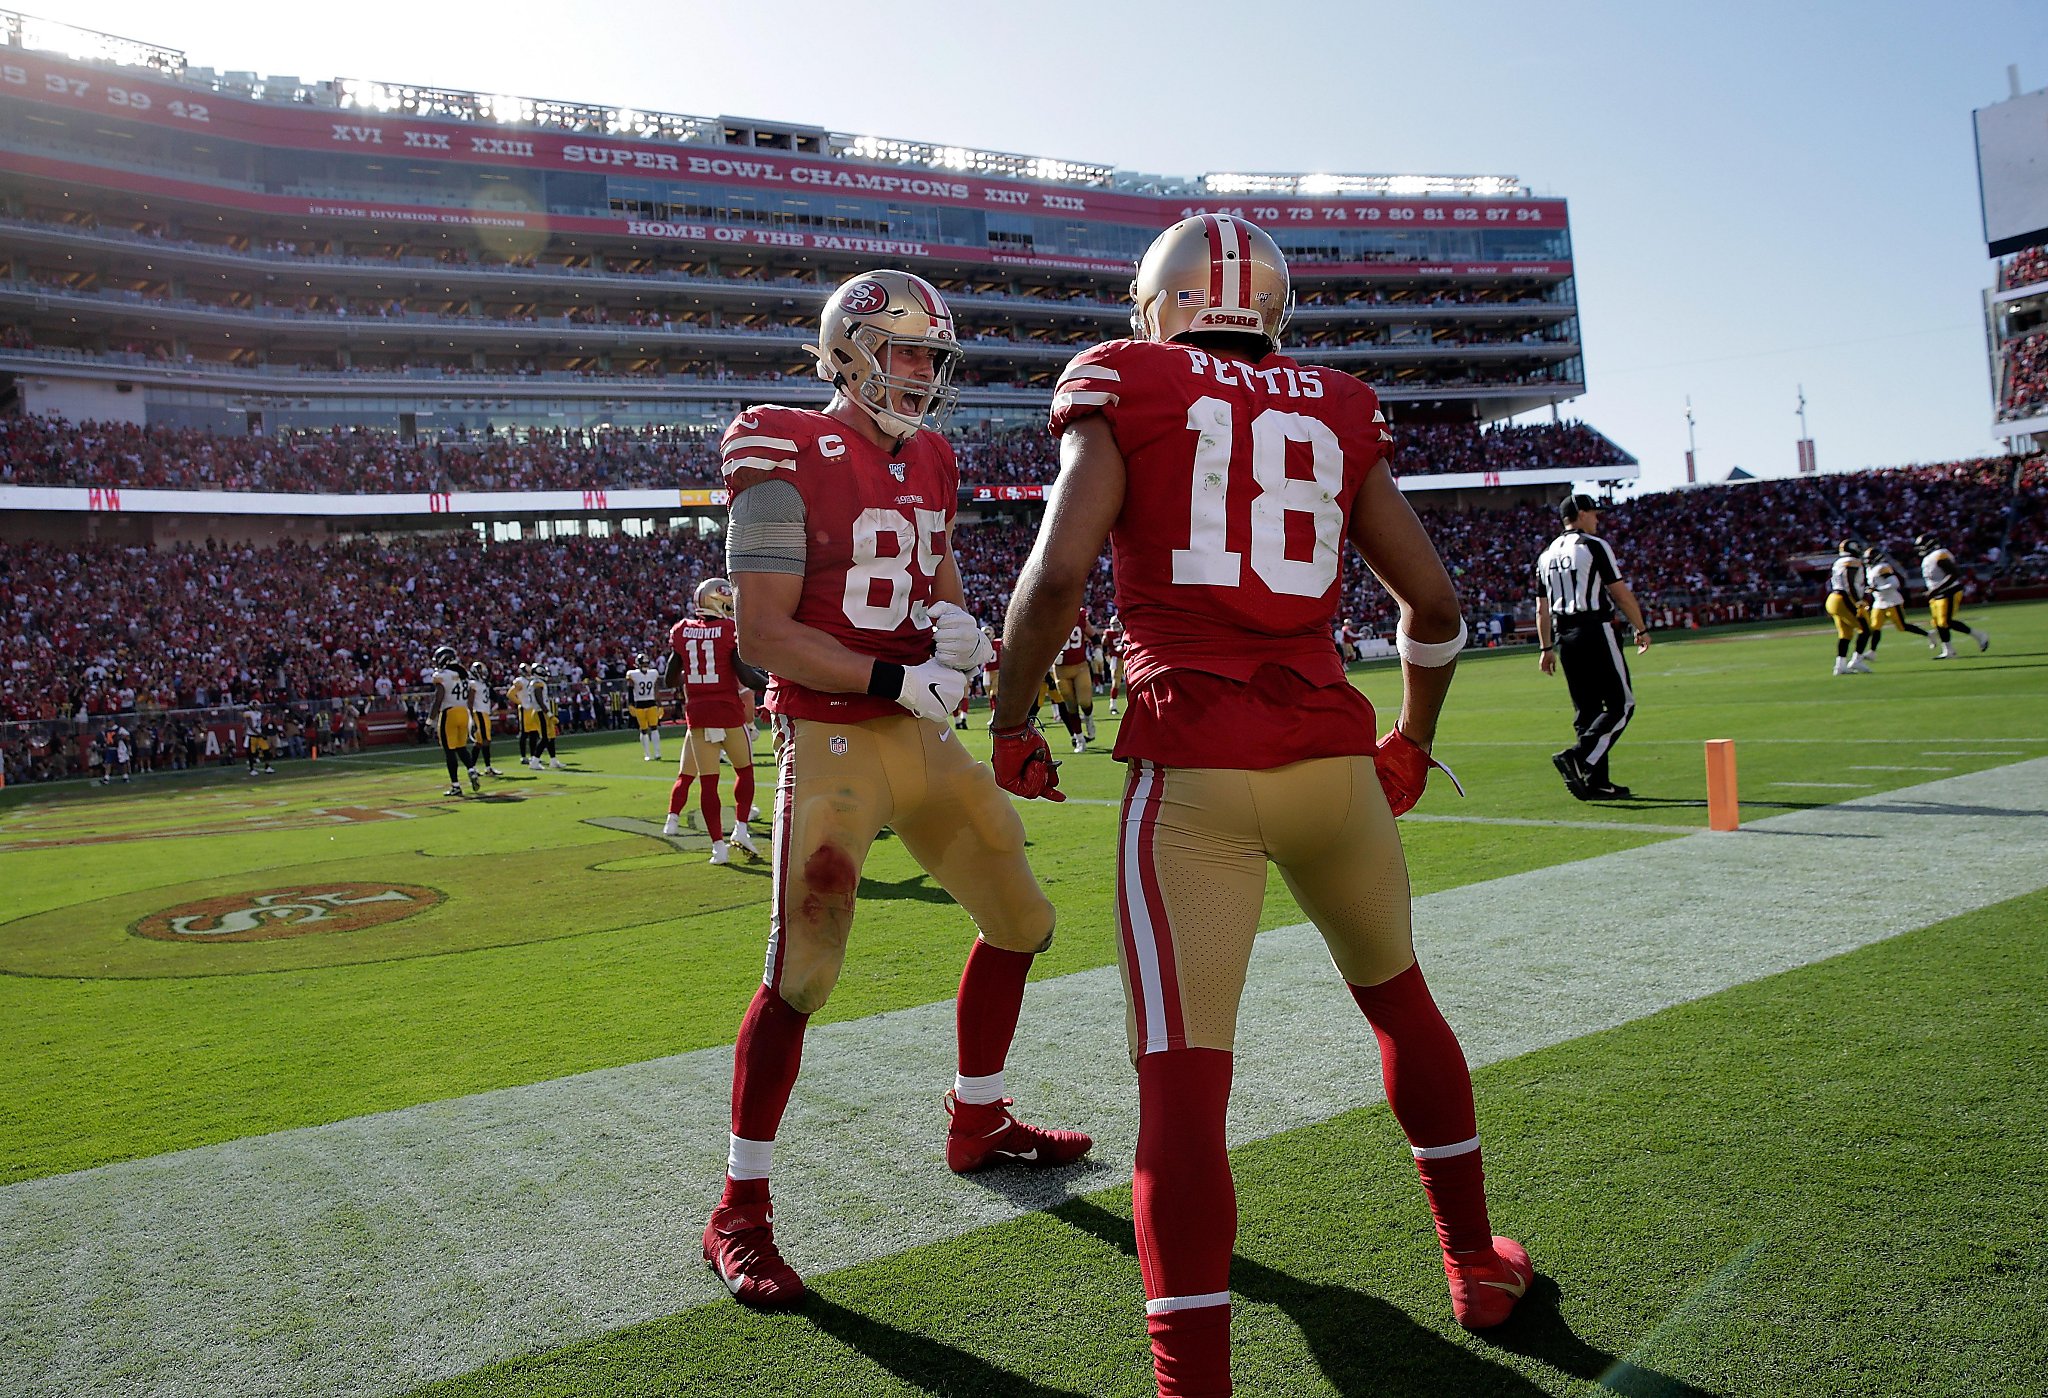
x: 739, y: 1245
x: 1486, y: 1285
x: 985, y: 1134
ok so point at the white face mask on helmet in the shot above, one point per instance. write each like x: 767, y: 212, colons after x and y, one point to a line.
x: 867, y: 321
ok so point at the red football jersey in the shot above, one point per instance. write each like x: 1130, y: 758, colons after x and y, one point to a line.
x: 994, y: 663
x: 1075, y: 652
x: 711, y: 681
x: 877, y: 526
x: 1229, y: 551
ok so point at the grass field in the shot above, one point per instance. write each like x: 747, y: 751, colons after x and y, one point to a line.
x: 1824, y: 1181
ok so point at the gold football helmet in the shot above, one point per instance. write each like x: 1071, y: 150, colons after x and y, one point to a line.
x: 1211, y: 272
x: 714, y: 597
x: 866, y: 321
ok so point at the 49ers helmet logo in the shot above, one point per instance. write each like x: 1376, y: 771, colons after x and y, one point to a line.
x: 287, y: 912
x: 864, y: 298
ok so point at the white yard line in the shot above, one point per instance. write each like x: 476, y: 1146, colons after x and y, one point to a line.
x: 372, y: 1255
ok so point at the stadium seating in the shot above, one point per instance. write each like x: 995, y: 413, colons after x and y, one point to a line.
x: 36, y: 451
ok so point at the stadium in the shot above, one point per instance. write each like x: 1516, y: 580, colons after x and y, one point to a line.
x: 335, y: 1083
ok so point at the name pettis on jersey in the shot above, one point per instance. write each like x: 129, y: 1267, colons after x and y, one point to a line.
x: 1237, y: 373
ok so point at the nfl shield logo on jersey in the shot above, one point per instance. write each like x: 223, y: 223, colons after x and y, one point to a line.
x: 897, y: 469
x: 838, y: 745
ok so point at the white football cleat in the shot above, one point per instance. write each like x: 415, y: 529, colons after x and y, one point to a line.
x: 1088, y: 727
x: 453, y: 790
x: 672, y: 826
x: 1861, y: 665
x: 476, y: 783
x: 1945, y: 653
x: 744, y: 838
x: 493, y: 772
x: 1983, y: 641
x: 1841, y: 665
x: 1080, y: 743
x: 721, y: 852
x: 556, y: 763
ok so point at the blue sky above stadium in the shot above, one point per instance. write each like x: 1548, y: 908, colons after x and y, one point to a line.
x: 1762, y: 195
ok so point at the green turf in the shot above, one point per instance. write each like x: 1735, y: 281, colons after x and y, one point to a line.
x: 1826, y: 1182
x: 563, y: 946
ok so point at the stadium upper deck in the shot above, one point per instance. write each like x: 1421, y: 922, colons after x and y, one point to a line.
x: 188, y: 248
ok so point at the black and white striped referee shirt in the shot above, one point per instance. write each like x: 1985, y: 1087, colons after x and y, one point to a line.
x: 1574, y: 573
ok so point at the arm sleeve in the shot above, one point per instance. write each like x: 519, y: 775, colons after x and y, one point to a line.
x: 765, y: 532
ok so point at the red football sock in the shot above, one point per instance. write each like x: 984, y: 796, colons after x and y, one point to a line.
x: 1186, y: 1212
x: 679, y: 794
x: 765, y: 1060
x: 1430, y: 1089
x: 707, y: 802
x: 743, y: 794
x: 991, y: 994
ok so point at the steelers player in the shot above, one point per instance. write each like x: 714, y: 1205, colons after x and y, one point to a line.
x: 480, y: 715
x: 450, y: 718
x: 515, y: 699
x: 533, y: 731
x: 1944, y: 593
x: 1887, y: 597
x: 547, y: 719
x: 258, y: 740
x: 1845, y: 598
x: 642, y: 682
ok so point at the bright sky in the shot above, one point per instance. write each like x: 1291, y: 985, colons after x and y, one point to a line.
x: 1763, y: 195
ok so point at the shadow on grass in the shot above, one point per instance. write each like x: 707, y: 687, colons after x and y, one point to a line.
x: 919, y: 1360
x: 1365, y: 1346
x: 918, y: 888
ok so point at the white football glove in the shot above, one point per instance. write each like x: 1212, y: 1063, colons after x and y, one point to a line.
x: 960, y: 642
x: 933, y: 691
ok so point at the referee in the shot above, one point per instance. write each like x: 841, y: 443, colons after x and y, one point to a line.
x: 1578, y: 588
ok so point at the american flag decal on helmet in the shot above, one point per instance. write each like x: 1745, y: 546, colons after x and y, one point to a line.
x: 1191, y: 298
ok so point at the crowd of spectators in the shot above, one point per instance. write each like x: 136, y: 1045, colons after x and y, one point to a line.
x: 2026, y: 377
x: 49, y: 451
x: 2024, y: 268
x: 99, y: 634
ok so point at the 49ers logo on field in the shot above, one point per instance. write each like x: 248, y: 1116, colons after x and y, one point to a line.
x: 288, y: 912
x: 865, y: 298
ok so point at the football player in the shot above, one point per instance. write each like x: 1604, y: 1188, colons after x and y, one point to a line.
x: 547, y: 705
x: 1944, y: 593
x: 1189, y: 447
x: 450, y: 718
x: 1076, y: 684
x: 1846, y: 605
x: 643, y: 683
x: 517, y: 697
x: 1113, y: 653
x: 480, y: 715
x: 991, y: 667
x: 840, y: 546
x: 257, y: 740
x: 704, y: 663
x: 1887, y: 597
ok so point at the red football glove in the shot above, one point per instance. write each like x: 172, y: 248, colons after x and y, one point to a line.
x: 1024, y: 763
x: 1403, y: 769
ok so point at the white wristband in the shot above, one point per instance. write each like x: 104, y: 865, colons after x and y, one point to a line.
x: 1429, y: 654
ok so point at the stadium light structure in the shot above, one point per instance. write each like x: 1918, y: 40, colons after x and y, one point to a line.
x: 22, y: 31
x: 1372, y: 186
